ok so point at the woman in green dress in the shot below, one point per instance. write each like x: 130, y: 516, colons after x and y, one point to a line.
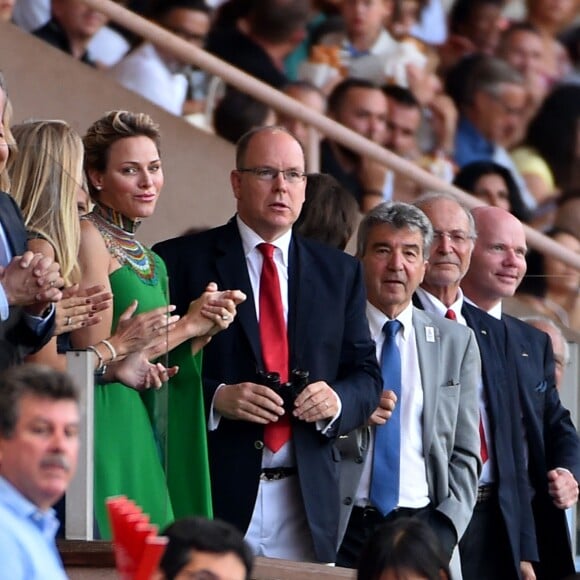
x: 132, y: 442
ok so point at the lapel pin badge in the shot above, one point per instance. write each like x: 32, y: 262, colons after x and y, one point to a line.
x: 524, y: 354
x: 429, y: 334
x: 483, y: 331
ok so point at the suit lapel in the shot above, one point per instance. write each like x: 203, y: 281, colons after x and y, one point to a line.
x: 483, y: 335
x: 13, y: 225
x: 300, y: 300
x: 233, y: 273
x: 428, y: 352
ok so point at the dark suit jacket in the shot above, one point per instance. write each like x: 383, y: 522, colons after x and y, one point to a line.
x: 504, y: 417
x: 328, y: 335
x: 16, y: 338
x: 552, y: 442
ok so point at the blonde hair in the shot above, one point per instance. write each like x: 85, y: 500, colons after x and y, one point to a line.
x: 45, y: 178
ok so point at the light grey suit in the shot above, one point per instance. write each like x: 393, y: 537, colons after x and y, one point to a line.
x: 450, y: 368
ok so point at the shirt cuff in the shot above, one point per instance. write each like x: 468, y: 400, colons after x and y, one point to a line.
x: 4, y: 306
x: 214, y: 417
x: 39, y: 323
x: 325, y: 425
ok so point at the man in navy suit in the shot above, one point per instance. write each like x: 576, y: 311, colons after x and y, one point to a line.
x: 286, y: 501
x: 497, y: 268
x: 29, y: 284
x: 499, y: 541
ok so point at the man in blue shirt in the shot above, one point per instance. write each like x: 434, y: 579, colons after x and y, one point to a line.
x: 492, y: 107
x: 39, y: 420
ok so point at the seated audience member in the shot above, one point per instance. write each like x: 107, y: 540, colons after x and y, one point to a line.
x: 367, y: 49
x: 72, y: 26
x: 259, y: 35
x: 236, y: 113
x: 408, y: 123
x: 310, y: 96
x: 106, y: 47
x: 493, y: 184
x: 549, y: 158
x: 403, y: 549
x: 403, y: 121
x: 551, y: 286
x: 361, y: 106
x: 161, y: 77
x: 329, y: 213
x: 39, y: 425
x: 521, y: 46
x: 208, y: 549
x: 493, y: 100
x: 551, y: 18
x: 559, y: 344
x: 474, y: 28
x: 364, y: 38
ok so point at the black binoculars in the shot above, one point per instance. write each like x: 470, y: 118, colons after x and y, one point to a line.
x: 288, y: 391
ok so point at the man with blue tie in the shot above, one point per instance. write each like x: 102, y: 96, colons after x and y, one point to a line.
x: 499, y: 542
x: 423, y: 460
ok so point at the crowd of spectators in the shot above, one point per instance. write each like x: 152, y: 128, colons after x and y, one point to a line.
x: 482, y: 101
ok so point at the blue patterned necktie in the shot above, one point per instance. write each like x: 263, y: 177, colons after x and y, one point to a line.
x: 387, y: 452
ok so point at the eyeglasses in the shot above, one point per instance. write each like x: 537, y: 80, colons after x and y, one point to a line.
x: 507, y: 109
x: 270, y: 173
x: 456, y: 237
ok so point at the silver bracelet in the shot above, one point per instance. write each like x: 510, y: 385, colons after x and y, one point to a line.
x: 111, y: 349
x: 101, y: 367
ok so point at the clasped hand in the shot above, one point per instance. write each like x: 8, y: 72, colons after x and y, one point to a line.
x: 260, y: 404
x: 32, y: 281
x: 213, y: 311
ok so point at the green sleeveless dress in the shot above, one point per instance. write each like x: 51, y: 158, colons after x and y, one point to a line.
x: 141, y: 436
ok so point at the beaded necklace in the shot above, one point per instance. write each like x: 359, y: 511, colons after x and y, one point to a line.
x: 118, y: 231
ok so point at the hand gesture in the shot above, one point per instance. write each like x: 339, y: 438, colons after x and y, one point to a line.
x: 145, y: 330
x: 213, y: 311
x: 32, y: 281
x: 248, y: 402
x: 79, y: 308
x: 137, y: 372
x: 316, y: 402
x: 385, y: 409
x: 563, y: 488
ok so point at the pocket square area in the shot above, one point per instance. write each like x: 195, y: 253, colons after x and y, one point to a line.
x: 542, y: 386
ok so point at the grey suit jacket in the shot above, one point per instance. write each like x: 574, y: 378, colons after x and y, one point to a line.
x: 450, y: 369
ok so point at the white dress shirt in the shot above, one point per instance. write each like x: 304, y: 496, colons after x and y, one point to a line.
x: 146, y: 72
x: 413, y: 488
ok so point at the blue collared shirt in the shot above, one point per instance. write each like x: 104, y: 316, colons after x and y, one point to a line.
x: 27, y: 546
x: 471, y: 145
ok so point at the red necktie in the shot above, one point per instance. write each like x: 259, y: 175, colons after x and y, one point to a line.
x: 483, y: 445
x: 274, y: 341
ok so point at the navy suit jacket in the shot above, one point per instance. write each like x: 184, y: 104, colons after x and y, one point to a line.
x: 552, y: 442
x: 16, y: 338
x: 504, y: 414
x: 328, y: 336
